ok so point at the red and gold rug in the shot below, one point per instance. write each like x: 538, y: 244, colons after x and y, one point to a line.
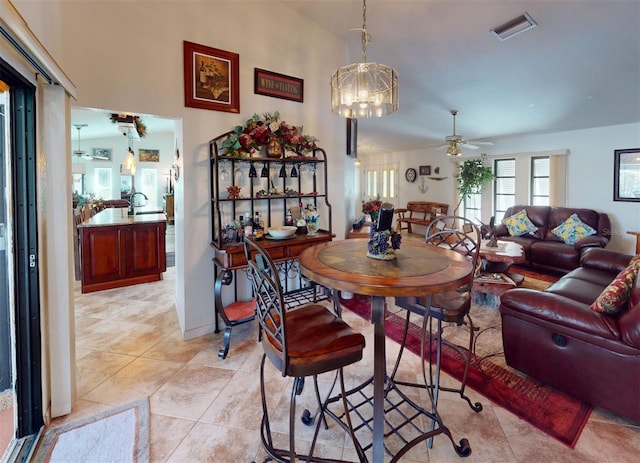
x: 553, y: 412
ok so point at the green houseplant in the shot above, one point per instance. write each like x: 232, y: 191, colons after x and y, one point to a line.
x: 471, y: 176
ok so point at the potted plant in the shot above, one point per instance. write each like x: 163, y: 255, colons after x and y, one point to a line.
x: 471, y: 177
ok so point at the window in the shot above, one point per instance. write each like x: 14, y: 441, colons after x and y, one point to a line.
x: 540, y: 181
x: 472, y: 207
x: 150, y: 186
x: 380, y: 182
x: 504, y: 186
x: 102, y: 182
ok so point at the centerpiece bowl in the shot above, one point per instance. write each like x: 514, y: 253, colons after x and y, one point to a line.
x: 282, y: 232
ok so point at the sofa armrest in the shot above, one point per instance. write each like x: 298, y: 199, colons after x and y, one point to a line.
x: 556, y: 309
x: 605, y: 260
x: 593, y: 241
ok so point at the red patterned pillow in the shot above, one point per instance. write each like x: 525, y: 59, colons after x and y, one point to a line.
x: 614, y: 297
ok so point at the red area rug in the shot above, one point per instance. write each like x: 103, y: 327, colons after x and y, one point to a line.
x: 553, y: 412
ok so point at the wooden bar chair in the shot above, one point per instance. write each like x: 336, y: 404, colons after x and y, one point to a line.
x: 307, y: 340
x: 461, y: 235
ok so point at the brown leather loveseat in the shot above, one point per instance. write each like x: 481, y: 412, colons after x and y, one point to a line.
x: 546, y: 251
x: 555, y: 337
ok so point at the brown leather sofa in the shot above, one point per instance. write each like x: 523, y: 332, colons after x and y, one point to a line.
x: 554, y: 337
x: 544, y: 250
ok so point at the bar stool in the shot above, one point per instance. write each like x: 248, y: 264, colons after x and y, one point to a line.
x: 305, y: 341
x: 461, y: 235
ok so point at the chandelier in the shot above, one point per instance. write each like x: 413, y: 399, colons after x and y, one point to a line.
x: 364, y: 90
x: 129, y: 163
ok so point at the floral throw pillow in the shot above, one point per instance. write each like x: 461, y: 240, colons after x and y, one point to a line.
x: 573, y: 230
x: 614, y: 297
x: 519, y: 224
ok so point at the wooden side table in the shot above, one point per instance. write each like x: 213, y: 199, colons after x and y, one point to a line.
x: 362, y: 232
x: 637, y: 235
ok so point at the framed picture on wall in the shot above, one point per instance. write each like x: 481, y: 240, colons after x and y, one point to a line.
x: 146, y: 155
x: 626, y: 175
x: 425, y: 170
x: 101, y: 154
x: 278, y: 85
x: 352, y: 137
x: 211, y: 78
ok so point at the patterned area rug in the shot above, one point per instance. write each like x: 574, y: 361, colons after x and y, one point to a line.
x: 553, y: 412
x: 120, y: 434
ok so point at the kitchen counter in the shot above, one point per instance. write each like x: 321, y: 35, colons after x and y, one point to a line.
x: 122, y: 250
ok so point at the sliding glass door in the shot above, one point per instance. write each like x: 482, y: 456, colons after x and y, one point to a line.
x: 20, y: 337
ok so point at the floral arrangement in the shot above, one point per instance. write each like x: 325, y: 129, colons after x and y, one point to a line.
x: 258, y: 131
x: 383, y: 244
x: 372, y: 207
x: 140, y: 127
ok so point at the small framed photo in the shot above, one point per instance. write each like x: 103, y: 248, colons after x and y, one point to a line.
x: 425, y: 170
x: 352, y: 137
x: 278, y: 85
x: 101, y: 154
x: 211, y: 78
x: 149, y: 155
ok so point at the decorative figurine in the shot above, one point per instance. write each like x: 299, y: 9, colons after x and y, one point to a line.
x: 383, y: 241
x: 234, y: 192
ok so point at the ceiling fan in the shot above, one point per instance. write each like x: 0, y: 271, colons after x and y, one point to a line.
x: 455, y: 141
x: 80, y: 153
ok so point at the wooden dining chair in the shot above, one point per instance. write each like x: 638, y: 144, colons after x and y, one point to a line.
x: 460, y: 235
x: 307, y: 340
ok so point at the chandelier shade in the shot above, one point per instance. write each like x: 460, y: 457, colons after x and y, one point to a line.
x: 129, y: 163
x: 366, y: 89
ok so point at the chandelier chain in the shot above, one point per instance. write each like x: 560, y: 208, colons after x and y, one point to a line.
x: 365, y: 38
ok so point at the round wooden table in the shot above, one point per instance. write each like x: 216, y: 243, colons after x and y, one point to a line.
x: 418, y: 270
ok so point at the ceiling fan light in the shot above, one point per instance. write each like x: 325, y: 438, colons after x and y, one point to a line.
x: 454, y: 150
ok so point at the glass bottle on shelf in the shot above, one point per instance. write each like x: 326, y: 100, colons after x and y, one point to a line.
x: 258, y: 229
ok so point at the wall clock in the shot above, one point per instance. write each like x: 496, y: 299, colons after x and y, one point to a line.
x: 410, y: 175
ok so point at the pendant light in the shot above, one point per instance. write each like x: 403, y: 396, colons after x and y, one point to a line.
x: 364, y: 90
x: 129, y: 163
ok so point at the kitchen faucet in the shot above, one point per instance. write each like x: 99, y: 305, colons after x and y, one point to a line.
x: 132, y: 202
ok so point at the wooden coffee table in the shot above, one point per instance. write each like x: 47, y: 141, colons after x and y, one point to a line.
x: 494, y: 276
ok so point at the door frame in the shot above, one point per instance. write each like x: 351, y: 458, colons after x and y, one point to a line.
x: 22, y: 132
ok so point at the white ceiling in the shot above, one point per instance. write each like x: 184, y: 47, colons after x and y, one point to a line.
x: 580, y: 68
x: 99, y: 124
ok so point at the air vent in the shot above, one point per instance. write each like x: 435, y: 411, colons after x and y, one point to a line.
x: 514, y: 27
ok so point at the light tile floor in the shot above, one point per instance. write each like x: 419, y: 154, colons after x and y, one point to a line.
x: 204, y: 409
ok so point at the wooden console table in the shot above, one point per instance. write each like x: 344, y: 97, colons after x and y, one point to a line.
x: 637, y: 235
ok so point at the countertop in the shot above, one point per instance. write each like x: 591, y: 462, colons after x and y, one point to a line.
x: 118, y: 216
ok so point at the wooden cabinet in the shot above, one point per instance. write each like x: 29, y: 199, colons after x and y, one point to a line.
x: 168, y: 207
x: 119, y: 250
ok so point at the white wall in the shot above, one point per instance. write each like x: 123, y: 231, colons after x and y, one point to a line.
x: 130, y: 58
x: 589, y: 172
x: 164, y: 142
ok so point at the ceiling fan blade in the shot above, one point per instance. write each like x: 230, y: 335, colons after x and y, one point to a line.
x: 469, y: 146
x: 487, y: 143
